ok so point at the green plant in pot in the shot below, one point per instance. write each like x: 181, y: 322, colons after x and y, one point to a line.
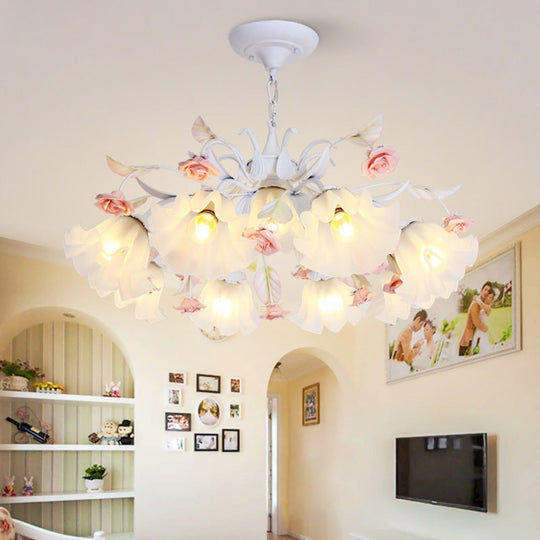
x: 93, y: 478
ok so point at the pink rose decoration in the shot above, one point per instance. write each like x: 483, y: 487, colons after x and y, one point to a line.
x: 114, y: 203
x: 361, y: 296
x: 393, y: 284
x: 380, y: 162
x: 302, y: 273
x: 190, y: 305
x: 198, y: 168
x: 266, y: 241
x: 457, y: 224
x: 274, y: 311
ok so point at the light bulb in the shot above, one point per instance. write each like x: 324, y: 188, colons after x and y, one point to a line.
x: 203, y: 226
x: 432, y: 257
x: 110, y: 248
x: 342, y: 225
x: 330, y: 304
x: 272, y: 225
x: 222, y: 307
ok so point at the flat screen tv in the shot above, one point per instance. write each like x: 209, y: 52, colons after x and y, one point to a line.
x: 447, y: 470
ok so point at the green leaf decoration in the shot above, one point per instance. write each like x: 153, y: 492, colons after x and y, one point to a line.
x: 278, y: 210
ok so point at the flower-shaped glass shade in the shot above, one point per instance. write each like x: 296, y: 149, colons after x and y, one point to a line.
x: 327, y: 303
x: 432, y: 261
x: 147, y: 305
x: 284, y: 209
x: 222, y: 251
x: 229, y: 308
x: 114, y: 255
x: 346, y: 234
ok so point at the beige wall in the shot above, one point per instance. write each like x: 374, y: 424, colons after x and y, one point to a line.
x: 341, y: 473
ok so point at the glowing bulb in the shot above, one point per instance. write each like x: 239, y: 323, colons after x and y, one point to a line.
x: 271, y: 225
x: 432, y: 257
x: 342, y: 224
x: 204, y: 224
x: 222, y: 307
x: 330, y: 304
x: 110, y: 248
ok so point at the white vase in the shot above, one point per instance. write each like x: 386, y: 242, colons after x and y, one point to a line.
x: 15, y: 382
x: 94, y: 486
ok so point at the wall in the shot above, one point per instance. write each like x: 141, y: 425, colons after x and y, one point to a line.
x: 190, y: 495
x: 341, y: 472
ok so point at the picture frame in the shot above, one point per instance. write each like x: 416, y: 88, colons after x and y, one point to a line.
x: 209, y: 412
x: 235, y: 385
x: 175, y: 421
x: 235, y: 411
x: 208, y: 383
x: 175, y: 445
x: 490, y: 293
x: 174, y: 396
x: 230, y: 440
x: 311, y: 405
x: 177, y: 377
x: 205, y: 442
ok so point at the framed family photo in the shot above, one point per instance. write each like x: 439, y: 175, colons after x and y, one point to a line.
x: 230, y: 440
x: 208, y: 383
x: 310, y: 405
x: 480, y: 320
x: 177, y: 421
x: 209, y: 412
x: 206, y: 442
x: 235, y: 411
x: 175, y: 445
x: 177, y: 377
x: 235, y: 385
x: 174, y: 396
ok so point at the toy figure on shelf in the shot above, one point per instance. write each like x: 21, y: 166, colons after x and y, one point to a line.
x: 125, y: 432
x: 9, y: 490
x: 112, y: 389
x: 28, y: 488
x: 94, y: 438
x: 109, y: 433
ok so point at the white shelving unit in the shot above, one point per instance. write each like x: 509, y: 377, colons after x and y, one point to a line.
x: 65, y: 448
x: 76, y: 399
x: 68, y: 496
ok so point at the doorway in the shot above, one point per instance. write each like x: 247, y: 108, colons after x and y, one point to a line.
x: 272, y: 464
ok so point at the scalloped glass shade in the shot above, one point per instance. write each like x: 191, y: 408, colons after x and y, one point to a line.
x: 374, y: 233
x: 225, y: 251
x: 432, y: 262
x: 229, y: 308
x: 327, y: 303
x: 114, y: 255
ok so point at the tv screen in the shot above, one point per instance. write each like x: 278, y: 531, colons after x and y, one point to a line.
x: 448, y: 470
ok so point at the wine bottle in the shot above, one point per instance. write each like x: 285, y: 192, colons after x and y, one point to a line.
x: 27, y: 428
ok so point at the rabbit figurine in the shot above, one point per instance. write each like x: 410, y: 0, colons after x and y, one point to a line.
x: 28, y: 488
x: 9, y: 490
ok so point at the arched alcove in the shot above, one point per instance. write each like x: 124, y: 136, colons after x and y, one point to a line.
x: 77, y: 352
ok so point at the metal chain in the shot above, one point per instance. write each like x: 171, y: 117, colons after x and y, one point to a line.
x: 272, y: 98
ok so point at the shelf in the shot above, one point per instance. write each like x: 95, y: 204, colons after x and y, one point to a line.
x: 67, y: 447
x: 68, y: 496
x: 75, y: 399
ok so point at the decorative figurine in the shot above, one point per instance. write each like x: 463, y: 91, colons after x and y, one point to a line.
x: 94, y: 438
x: 125, y: 432
x: 9, y: 490
x: 28, y: 488
x: 112, y: 389
x: 109, y: 433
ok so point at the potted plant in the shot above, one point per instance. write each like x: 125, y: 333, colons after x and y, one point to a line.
x: 93, y: 478
x: 17, y: 374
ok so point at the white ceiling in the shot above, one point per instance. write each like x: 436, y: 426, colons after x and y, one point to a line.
x: 458, y: 83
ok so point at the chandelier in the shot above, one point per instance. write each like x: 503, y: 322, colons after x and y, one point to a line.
x: 238, y: 233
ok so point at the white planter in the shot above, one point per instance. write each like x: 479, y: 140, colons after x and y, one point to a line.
x: 14, y: 382
x: 94, y: 486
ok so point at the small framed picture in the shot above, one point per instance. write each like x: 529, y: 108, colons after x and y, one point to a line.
x: 177, y: 377
x: 235, y: 411
x: 230, y: 440
x: 174, y: 396
x: 177, y: 421
x: 310, y: 405
x: 209, y: 412
x: 235, y: 385
x: 206, y: 442
x: 175, y: 445
x: 208, y: 383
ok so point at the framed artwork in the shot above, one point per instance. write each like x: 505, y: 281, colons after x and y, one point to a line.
x: 177, y: 421
x: 230, y: 440
x: 235, y: 411
x: 206, y: 442
x: 177, y: 377
x: 235, y: 385
x: 480, y: 320
x: 174, y: 396
x: 208, y: 383
x: 175, y: 445
x: 209, y: 412
x: 311, y: 403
